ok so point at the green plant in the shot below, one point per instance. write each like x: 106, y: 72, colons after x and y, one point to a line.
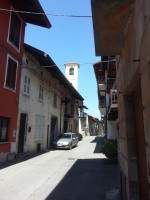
x: 110, y: 148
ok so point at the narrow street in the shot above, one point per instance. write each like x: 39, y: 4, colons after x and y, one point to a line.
x: 82, y: 173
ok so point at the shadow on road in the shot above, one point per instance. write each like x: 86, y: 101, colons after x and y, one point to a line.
x: 88, y: 179
x: 99, y: 140
x: 22, y: 158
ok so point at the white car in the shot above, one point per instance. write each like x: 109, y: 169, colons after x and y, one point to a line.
x: 66, y: 141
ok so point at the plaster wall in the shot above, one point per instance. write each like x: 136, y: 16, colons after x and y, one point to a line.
x: 9, y: 98
x: 32, y: 106
x: 111, y: 129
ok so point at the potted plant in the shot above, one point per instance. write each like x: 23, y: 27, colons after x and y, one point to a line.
x: 110, y: 149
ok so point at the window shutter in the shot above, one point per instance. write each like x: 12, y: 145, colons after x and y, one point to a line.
x: 15, y: 26
x: 11, y: 73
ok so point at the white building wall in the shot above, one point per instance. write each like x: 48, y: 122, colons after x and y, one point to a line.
x: 31, y: 105
x: 111, y: 129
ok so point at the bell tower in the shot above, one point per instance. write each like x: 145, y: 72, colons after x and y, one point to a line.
x: 72, y: 73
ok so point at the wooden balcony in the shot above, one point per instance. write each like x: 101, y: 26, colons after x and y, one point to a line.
x: 82, y: 115
x: 102, y: 106
x: 112, y: 113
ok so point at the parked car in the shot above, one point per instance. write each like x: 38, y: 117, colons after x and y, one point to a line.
x: 66, y: 141
x: 80, y: 137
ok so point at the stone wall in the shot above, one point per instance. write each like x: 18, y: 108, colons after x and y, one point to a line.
x: 133, y: 70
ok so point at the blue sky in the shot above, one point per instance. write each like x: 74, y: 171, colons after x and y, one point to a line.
x: 69, y: 40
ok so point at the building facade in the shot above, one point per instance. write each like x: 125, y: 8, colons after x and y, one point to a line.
x: 126, y: 34
x: 11, y: 52
x: 105, y: 73
x: 48, y: 103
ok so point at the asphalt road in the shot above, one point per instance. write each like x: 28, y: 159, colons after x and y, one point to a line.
x: 82, y: 173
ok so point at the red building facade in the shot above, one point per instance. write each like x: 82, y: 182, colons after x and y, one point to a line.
x: 11, y: 51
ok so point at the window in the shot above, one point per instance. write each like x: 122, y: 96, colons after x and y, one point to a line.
x: 26, y: 89
x: 41, y: 89
x: 55, y: 100
x: 114, y: 97
x: 39, y: 129
x: 71, y: 71
x: 11, y: 73
x: 14, y: 30
x: 4, y: 129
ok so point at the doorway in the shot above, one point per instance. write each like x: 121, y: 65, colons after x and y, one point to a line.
x: 22, y: 132
x: 54, y: 129
x: 65, y: 126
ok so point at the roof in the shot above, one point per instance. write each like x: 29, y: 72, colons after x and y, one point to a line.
x: 83, y: 107
x: 45, y: 60
x: 33, y: 6
x: 94, y: 118
x: 110, y: 23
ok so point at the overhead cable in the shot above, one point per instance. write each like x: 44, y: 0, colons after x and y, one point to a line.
x: 62, y: 65
x: 50, y: 14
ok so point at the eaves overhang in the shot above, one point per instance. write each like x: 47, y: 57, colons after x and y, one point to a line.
x: 46, y: 62
x: 35, y: 7
x: 110, y: 24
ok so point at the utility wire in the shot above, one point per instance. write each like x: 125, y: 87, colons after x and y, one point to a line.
x: 91, y: 63
x: 50, y: 14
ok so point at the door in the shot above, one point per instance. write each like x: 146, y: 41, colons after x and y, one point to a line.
x: 141, y: 146
x: 53, y: 130
x: 22, y: 132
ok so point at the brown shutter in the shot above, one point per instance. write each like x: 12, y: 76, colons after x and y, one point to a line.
x: 11, y: 73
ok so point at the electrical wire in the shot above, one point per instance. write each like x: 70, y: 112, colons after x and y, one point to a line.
x: 50, y: 14
x: 91, y: 63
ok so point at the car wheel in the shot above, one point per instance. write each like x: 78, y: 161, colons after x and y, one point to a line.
x: 70, y: 147
x: 77, y: 144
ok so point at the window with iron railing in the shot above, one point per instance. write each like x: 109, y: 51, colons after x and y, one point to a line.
x: 114, y: 98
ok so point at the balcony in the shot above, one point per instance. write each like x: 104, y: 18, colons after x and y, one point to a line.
x: 113, y: 106
x: 102, y: 84
x: 102, y: 106
x: 82, y: 115
x: 69, y: 111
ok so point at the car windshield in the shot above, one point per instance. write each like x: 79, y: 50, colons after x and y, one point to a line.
x: 65, y: 136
